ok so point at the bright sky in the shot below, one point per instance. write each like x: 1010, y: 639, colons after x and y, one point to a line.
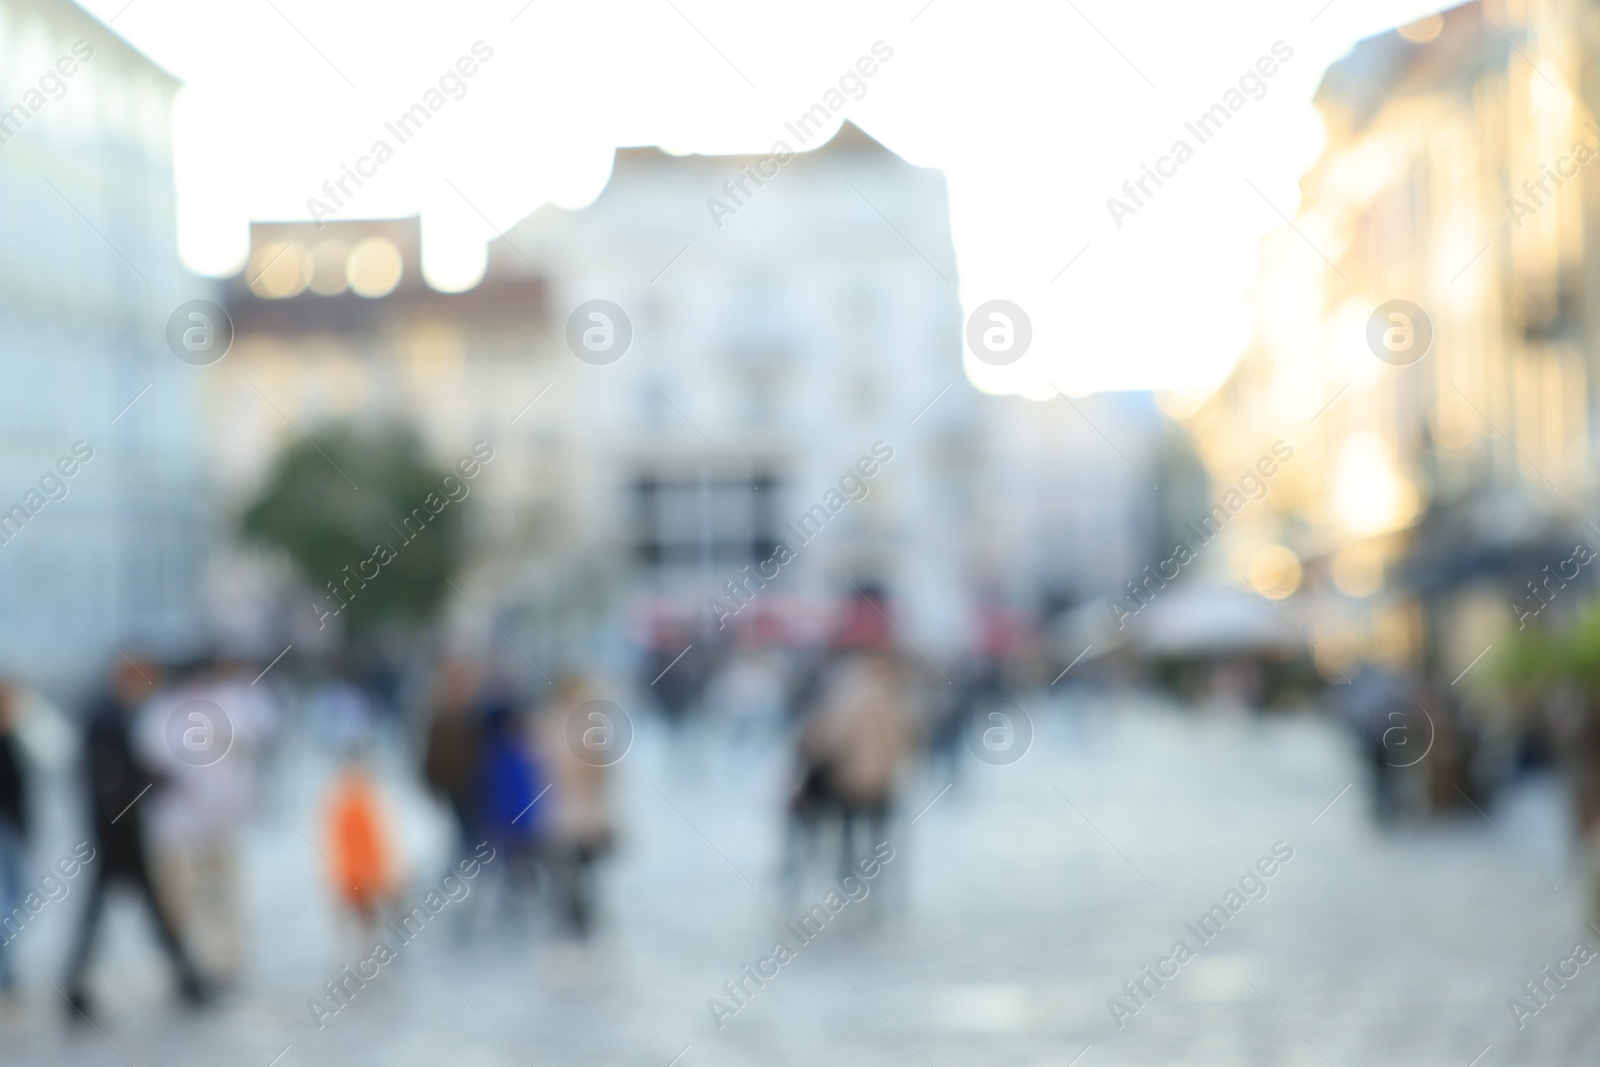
x: 1036, y: 111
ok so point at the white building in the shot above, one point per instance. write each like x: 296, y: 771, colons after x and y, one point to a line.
x: 779, y: 331
x: 89, y: 274
x: 1069, y: 507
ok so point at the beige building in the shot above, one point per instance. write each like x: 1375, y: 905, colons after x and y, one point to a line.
x: 334, y: 324
x: 1429, y: 481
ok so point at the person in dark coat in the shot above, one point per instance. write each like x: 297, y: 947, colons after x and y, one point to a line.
x: 450, y: 763
x: 14, y: 825
x: 117, y: 781
x: 1393, y: 732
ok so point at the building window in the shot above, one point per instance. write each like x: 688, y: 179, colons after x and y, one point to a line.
x: 695, y: 521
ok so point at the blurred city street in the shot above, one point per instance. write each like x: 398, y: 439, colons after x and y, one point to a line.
x: 720, y: 535
x: 1016, y: 905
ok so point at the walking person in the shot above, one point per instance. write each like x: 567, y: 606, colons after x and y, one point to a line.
x: 117, y: 780
x: 1381, y: 719
x: 207, y: 793
x: 450, y: 761
x: 365, y: 874
x: 509, y: 781
x: 14, y: 826
x: 859, y: 735
x: 579, y: 825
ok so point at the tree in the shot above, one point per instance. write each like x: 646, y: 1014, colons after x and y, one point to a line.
x: 372, y: 525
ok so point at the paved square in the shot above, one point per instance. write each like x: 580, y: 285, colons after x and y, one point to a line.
x: 1015, y: 907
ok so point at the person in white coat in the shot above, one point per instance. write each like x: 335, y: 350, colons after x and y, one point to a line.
x: 204, y: 735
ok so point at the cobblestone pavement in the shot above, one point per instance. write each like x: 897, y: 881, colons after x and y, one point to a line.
x: 1016, y: 905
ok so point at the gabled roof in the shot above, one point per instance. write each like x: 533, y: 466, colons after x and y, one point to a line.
x: 849, y: 138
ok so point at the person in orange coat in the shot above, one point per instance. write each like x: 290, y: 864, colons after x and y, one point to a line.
x: 359, y: 844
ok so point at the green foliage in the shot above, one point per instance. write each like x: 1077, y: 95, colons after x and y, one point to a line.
x: 332, y: 501
x: 1536, y: 659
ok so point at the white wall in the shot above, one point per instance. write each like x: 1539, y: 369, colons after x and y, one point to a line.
x: 89, y: 273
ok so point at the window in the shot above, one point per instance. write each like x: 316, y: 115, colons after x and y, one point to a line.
x: 693, y: 521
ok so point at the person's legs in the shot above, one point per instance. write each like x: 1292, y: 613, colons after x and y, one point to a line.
x: 795, y: 833
x: 521, y: 879
x: 172, y: 871
x: 847, y: 836
x: 806, y: 811
x: 11, y: 863
x: 877, y: 824
x: 575, y: 893
x: 1383, y: 783
x: 461, y: 806
x: 188, y: 977
x: 217, y: 941
x: 88, y: 929
x: 877, y: 834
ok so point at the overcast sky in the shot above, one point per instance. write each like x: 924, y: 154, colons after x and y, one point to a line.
x: 1036, y: 111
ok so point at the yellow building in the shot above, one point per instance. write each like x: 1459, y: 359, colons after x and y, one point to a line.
x: 1441, y: 443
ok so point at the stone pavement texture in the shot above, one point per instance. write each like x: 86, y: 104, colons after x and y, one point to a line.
x: 1015, y: 907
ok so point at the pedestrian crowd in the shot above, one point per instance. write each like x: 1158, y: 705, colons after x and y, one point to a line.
x: 169, y: 760
x: 173, y: 760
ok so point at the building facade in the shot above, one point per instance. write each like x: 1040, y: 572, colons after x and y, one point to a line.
x: 712, y: 399
x: 112, y: 553
x: 1424, y: 341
